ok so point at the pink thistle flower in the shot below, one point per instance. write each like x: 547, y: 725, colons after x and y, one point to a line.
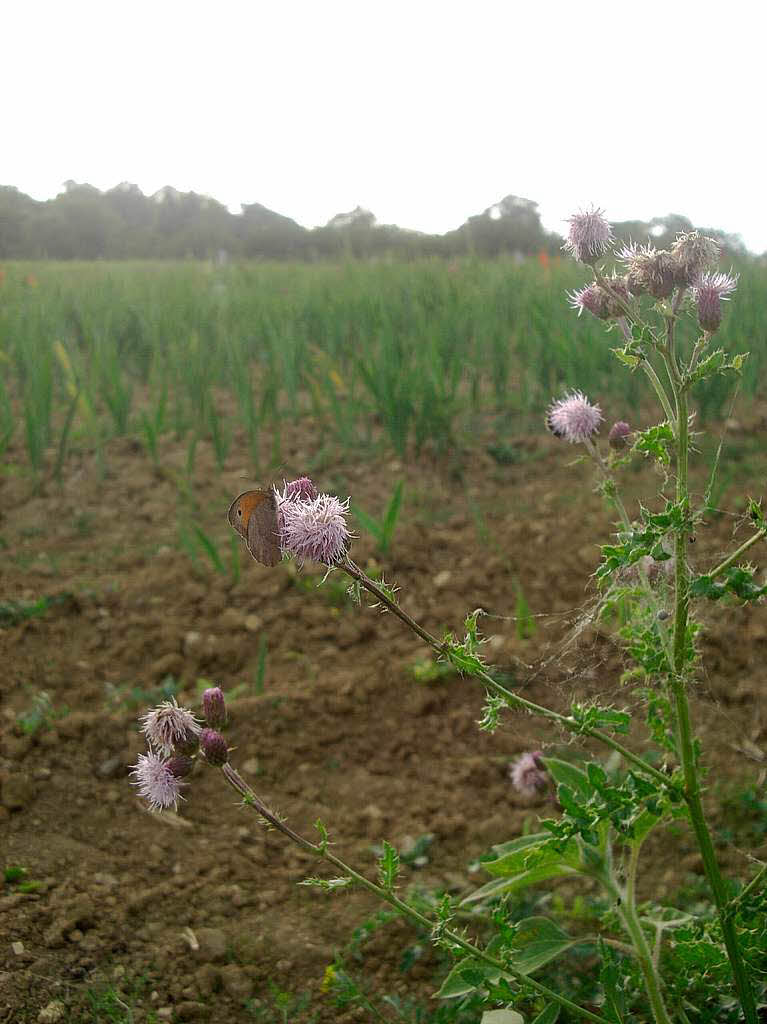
x: 528, y: 774
x: 315, y: 530
x: 214, y: 748
x: 168, y: 726
x: 157, y: 780
x: 693, y: 255
x: 591, y: 297
x: 589, y: 236
x: 214, y: 707
x: 573, y: 418
x: 708, y: 292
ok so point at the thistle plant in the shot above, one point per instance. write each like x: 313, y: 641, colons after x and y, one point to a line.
x: 656, y: 962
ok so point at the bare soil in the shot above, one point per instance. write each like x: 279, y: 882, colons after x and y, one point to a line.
x: 197, y: 916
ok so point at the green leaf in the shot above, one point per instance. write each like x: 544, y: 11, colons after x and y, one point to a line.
x: 565, y: 773
x: 510, y: 857
x: 537, y: 941
x: 504, y: 1017
x: 498, y: 886
x: 470, y: 973
x: 549, y: 1015
x: 530, y: 852
x: 368, y: 523
x: 388, y: 866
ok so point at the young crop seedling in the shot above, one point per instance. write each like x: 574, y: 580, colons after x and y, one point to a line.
x: 653, y: 961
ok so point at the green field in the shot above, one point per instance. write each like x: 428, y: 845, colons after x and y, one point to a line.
x: 397, y: 356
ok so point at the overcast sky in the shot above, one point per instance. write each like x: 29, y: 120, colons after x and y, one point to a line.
x: 422, y: 112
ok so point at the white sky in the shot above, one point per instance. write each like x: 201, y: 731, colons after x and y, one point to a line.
x: 424, y: 112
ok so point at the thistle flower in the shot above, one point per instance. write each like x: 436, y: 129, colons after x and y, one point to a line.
x: 214, y: 748
x: 708, y: 292
x: 619, y: 434
x: 528, y: 774
x: 214, y: 707
x: 316, y: 529
x: 648, y: 270
x: 693, y: 254
x: 159, y: 779
x: 593, y: 298
x: 169, y: 726
x: 589, y: 236
x: 573, y: 418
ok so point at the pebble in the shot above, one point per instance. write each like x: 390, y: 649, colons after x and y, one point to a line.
x: 52, y: 1013
x: 17, y: 792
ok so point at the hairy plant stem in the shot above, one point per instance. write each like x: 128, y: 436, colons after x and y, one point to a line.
x: 682, y: 708
x: 320, y: 850
x: 513, y: 700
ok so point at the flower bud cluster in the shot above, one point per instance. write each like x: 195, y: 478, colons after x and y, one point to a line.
x: 688, y: 264
x: 175, y: 739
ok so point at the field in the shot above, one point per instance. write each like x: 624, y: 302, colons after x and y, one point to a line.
x: 135, y: 402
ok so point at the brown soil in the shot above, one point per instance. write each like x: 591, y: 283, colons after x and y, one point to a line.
x: 194, y: 916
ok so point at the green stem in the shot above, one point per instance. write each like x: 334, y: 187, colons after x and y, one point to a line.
x: 512, y: 699
x: 736, y: 554
x: 684, y: 728
x: 652, y: 376
x: 755, y: 882
x: 321, y: 850
x: 647, y: 962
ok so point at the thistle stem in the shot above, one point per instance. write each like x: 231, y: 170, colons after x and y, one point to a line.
x: 512, y: 699
x: 683, y: 725
x: 320, y: 850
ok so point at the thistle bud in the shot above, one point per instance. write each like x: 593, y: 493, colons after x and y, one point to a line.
x: 708, y: 293
x: 619, y: 435
x: 180, y: 766
x: 693, y: 255
x: 301, y: 489
x: 648, y: 270
x: 214, y: 748
x: 214, y: 707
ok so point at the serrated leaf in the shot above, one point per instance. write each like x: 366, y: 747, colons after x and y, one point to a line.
x: 537, y: 941
x: 388, y: 866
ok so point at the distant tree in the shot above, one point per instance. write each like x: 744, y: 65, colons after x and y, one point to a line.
x: 123, y: 223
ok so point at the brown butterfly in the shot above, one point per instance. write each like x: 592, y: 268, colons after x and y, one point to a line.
x: 253, y: 514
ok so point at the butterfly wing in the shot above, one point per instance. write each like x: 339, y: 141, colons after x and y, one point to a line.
x: 253, y: 514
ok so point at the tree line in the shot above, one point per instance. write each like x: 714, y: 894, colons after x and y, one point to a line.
x: 84, y: 223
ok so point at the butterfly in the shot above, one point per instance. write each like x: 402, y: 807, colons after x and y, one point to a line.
x: 253, y: 514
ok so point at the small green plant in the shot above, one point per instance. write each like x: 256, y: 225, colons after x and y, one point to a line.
x: 383, y: 530
x: 523, y: 619
x: 40, y: 715
x: 282, y: 1007
x: 429, y: 670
